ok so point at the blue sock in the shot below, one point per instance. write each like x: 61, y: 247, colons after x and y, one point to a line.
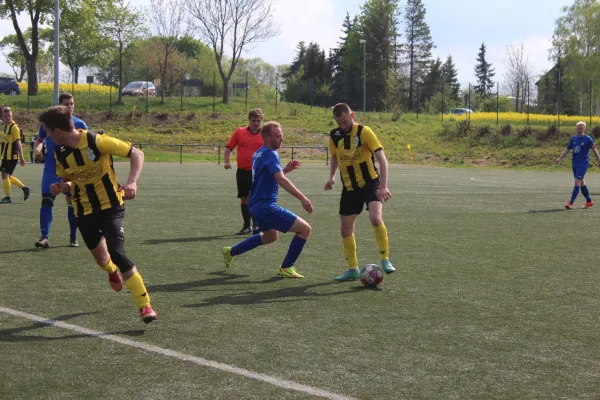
x: 586, y: 193
x: 294, y: 251
x: 45, y: 220
x: 251, y: 243
x: 72, y: 221
x: 574, y: 194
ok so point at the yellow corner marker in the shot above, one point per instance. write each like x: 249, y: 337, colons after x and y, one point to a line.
x: 410, y: 157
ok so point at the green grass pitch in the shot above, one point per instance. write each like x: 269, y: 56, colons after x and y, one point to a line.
x: 496, y: 294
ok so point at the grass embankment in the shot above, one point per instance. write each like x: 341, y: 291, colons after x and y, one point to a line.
x: 452, y: 143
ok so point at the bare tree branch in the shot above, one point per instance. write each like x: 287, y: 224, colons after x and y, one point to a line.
x: 235, y: 23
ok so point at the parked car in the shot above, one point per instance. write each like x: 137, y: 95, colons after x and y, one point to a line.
x: 9, y: 86
x: 139, y: 88
x: 459, y: 111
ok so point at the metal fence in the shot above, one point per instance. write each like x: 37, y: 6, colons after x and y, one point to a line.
x: 292, y: 151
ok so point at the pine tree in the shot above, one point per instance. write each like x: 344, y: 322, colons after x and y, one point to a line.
x: 484, y: 73
x: 418, y: 45
x: 451, y: 78
x: 432, y: 82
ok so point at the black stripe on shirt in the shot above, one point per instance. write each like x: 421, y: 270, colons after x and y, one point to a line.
x: 110, y: 191
x: 77, y: 199
x: 352, y: 176
x: 78, y: 157
x: 90, y: 190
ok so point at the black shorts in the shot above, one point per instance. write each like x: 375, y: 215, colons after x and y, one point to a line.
x: 244, y: 182
x: 352, y: 202
x: 8, y: 166
x: 106, y: 223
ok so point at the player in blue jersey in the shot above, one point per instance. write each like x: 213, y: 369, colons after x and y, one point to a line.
x: 49, y: 177
x: 581, y: 144
x: 267, y: 176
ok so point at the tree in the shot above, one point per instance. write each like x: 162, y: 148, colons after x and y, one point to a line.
x: 38, y: 11
x: 377, y: 26
x: 433, y: 81
x: 9, y: 48
x: 167, y: 19
x: 484, y: 74
x: 418, y: 45
x: 237, y: 24
x: 78, y: 44
x: 519, y: 75
x: 122, y: 25
x: 450, y: 76
x: 337, y: 63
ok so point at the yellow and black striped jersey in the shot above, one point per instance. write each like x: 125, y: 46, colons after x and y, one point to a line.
x: 89, y: 167
x: 8, y: 146
x: 355, y: 154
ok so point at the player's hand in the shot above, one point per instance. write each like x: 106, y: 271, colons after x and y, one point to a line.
x: 558, y: 160
x: 307, y: 205
x: 329, y: 184
x: 598, y: 164
x: 129, y: 191
x: 292, y: 165
x: 58, y: 188
x: 227, y: 166
x: 384, y: 194
x: 38, y: 155
x: 22, y: 162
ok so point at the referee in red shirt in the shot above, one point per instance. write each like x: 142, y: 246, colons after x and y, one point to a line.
x: 247, y: 139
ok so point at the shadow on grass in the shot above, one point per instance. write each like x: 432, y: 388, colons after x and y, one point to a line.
x: 12, y: 334
x: 283, y: 295
x: 31, y: 250
x: 552, y: 210
x: 188, y: 240
x: 223, y: 278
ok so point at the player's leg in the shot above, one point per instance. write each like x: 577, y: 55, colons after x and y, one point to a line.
x: 576, y: 188
x: 114, y: 232
x: 46, y: 208
x: 72, y: 221
x: 6, y: 168
x: 268, y: 235
x: 584, y: 189
x: 375, y: 209
x: 15, y: 181
x: 302, y: 230
x: 351, y: 205
x: 243, y: 185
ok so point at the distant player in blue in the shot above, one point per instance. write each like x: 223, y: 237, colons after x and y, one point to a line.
x: 267, y: 176
x: 49, y: 177
x: 581, y: 145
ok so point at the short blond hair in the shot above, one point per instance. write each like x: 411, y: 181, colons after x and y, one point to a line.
x: 269, y: 127
x: 7, y: 110
x: 581, y: 123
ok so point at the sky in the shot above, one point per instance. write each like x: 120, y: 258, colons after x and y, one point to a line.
x: 458, y: 28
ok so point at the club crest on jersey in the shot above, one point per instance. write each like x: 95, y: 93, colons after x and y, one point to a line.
x: 91, y: 155
x: 356, y: 141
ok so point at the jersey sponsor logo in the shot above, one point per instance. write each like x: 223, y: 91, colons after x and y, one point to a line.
x: 349, y: 157
x: 91, y: 173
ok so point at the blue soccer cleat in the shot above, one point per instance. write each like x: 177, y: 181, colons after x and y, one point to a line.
x: 350, y: 275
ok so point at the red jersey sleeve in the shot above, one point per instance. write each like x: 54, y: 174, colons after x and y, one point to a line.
x: 233, y: 141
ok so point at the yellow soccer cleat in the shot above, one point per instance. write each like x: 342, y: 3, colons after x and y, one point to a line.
x: 227, y: 257
x: 289, y: 273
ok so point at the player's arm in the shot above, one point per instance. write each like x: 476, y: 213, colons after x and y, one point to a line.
x: 333, y: 166
x: 562, y: 155
x: 291, y: 189
x: 595, y: 150
x: 231, y: 144
x: 384, y: 192
x: 291, y: 166
x: 136, y: 163
x: 17, y: 139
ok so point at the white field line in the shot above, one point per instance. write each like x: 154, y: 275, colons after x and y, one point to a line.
x: 282, y: 383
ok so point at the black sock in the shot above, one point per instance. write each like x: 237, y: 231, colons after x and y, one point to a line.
x: 246, y: 215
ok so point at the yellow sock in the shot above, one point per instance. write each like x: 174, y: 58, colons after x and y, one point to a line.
x: 16, y: 182
x: 110, y: 267
x: 6, y: 185
x: 139, y: 294
x: 381, y: 237
x: 350, y: 251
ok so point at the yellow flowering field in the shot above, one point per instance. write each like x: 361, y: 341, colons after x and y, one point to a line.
x: 521, y: 118
x: 48, y: 88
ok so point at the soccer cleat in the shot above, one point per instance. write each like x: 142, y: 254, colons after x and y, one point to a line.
x: 148, y: 314
x: 6, y: 200
x: 588, y: 204
x: 350, y: 275
x: 255, y: 230
x: 244, y: 231
x: 25, y: 193
x: 569, y: 206
x: 42, y: 243
x: 73, y: 241
x: 387, y: 266
x: 227, y: 257
x: 115, y: 281
x: 289, y: 272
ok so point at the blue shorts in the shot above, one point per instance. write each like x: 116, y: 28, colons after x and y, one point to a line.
x: 48, y: 178
x: 272, y: 216
x: 580, y: 170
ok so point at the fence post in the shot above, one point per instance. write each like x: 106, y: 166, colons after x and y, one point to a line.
x: 292, y: 153
x: 180, y: 154
x: 326, y: 155
x: 181, y: 85
x: 148, y: 91
x: 219, y: 156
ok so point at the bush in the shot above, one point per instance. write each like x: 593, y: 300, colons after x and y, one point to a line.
x: 506, y: 130
x: 596, y: 132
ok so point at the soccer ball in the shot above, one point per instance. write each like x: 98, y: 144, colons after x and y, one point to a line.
x: 371, y: 275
